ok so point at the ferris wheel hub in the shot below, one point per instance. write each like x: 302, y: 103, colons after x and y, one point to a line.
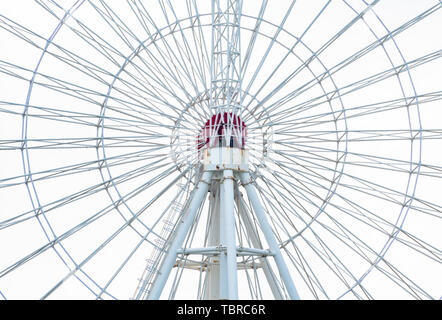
x: 222, y: 142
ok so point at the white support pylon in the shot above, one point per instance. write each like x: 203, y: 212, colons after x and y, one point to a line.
x: 270, y: 237
x: 213, y: 272
x: 253, y: 236
x: 228, y: 237
x: 222, y: 278
x: 180, y: 234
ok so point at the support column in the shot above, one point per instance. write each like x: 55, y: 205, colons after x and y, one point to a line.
x: 179, y: 237
x: 229, y: 263
x: 253, y: 235
x: 270, y: 237
x: 213, y: 274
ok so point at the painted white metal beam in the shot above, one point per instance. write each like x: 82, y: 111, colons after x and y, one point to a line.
x: 179, y: 237
x: 228, y: 232
x: 213, y: 276
x: 254, y: 239
x: 268, y: 233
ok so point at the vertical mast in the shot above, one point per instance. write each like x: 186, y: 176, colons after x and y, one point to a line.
x: 225, y: 90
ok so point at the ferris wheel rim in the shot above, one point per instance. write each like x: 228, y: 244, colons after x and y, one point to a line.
x: 408, y: 194
x: 142, y: 46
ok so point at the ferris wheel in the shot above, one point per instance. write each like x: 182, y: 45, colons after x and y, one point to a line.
x: 223, y: 149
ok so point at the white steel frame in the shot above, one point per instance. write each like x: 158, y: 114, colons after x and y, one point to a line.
x: 303, y: 200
